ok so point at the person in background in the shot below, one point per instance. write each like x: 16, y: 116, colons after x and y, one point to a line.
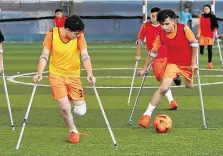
x: 185, y: 16
x: 207, y: 30
x: 59, y: 19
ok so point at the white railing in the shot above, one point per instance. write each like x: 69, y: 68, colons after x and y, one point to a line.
x: 27, y: 1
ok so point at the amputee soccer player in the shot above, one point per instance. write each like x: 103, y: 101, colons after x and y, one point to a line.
x: 207, y: 30
x: 1, y: 52
x: 181, y: 47
x: 150, y: 30
x: 59, y: 19
x: 64, y: 46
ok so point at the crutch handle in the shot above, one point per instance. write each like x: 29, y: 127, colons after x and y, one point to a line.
x: 92, y: 80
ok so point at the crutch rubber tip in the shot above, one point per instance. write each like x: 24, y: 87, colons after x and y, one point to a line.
x: 130, y: 123
x: 13, y: 128
x: 116, y: 145
x: 205, y: 127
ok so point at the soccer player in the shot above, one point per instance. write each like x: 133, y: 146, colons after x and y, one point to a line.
x: 150, y: 30
x: 207, y: 30
x: 59, y: 19
x: 65, y: 47
x: 181, y: 47
x: 185, y: 16
x: 1, y: 52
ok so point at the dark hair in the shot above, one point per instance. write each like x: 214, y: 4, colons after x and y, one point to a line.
x: 164, y: 14
x: 155, y: 9
x: 74, y: 23
x: 186, y: 7
x: 58, y: 10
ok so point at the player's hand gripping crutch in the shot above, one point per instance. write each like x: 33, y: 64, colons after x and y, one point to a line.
x: 103, y: 112
x: 27, y: 113
x: 133, y: 78
x: 201, y: 95
x: 7, y: 98
x: 139, y: 92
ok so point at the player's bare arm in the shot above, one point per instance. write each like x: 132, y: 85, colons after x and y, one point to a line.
x: 139, y: 43
x: 149, y: 59
x: 87, y: 65
x: 151, y: 56
x: 194, y: 48
x: 43, y: 60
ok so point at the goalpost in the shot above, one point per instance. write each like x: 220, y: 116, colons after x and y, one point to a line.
x: 144, y: 11
x: 213, y: 6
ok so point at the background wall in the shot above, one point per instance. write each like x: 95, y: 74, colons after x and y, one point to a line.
x: 96, y: 29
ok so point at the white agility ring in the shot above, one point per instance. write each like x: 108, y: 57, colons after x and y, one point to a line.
x: 12, y: 79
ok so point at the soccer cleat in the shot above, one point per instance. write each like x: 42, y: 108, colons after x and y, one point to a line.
x: 144, y: 121
x: 173, y: 105
x: 177, y: 80
x: 74, y: 137
x: 210, y: 65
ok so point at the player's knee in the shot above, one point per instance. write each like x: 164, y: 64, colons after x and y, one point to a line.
x: 80, y: 107
x: 64, y: 109
x: 64, y: 106
x: 164, y: 89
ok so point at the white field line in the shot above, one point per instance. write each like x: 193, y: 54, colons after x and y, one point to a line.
x: 95, y: 69
x: 119, y: 77
x: 117, y: 87
x: 12, y: 79
x: 124, y: 47
x: 29, y: 74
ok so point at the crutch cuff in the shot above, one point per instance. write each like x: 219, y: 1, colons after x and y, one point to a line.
x: 194, y: 44
x: 152, y: 54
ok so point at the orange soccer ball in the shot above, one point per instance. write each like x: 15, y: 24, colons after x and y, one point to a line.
x: 162, y: 123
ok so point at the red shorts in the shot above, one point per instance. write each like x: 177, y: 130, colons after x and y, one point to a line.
x: 159, y: 67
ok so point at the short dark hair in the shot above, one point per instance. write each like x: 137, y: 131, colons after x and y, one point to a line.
x: 74, y: 23
x: 164, y: 14
x: 186, y: 7
x: 155, y: 9
x: 58, y: 10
